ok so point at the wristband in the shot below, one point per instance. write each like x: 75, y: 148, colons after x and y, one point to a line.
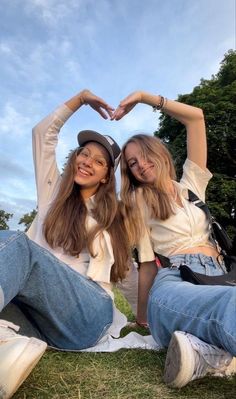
x: 161, y: 104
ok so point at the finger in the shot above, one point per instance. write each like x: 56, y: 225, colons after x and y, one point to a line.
x: 122, y: 111
x: 102, y: 113
x: 110, y: 113
x: 116, y: 114
x: 119, y: 115
x: 113, y: 116
x: 104, y: 105
x: 118, y: 111
x: 109, y: 109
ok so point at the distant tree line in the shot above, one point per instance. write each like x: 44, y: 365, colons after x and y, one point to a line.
x: 217, y: 98
x: 26, y: 219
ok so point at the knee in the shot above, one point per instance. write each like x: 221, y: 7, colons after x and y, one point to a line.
x: 9, y: 238
x: 6, y: 235
x: 10, y: 233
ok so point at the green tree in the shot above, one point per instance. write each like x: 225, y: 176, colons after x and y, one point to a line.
x: 217, y: 98
x: 28, y: 218
x: 4, y: 218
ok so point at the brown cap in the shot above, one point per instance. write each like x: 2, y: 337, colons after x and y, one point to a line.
x: 106, y: 141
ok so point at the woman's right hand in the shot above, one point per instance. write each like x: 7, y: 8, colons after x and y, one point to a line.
x: 97, y: 103
x: 127, y: 105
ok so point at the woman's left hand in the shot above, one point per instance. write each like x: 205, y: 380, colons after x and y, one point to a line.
x: 97, y: 103
x: 127, y: 105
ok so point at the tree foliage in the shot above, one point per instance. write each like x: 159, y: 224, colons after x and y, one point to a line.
x: 217, y: 98
x: 4, y: 218
x: 28, y: 218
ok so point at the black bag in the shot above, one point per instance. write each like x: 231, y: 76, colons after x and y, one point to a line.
x: 227, y: 250
x: 222, y: 238
x: 189, y: 275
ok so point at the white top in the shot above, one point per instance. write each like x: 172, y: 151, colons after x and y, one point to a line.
x: 187, y: 228
x: 45, y: 138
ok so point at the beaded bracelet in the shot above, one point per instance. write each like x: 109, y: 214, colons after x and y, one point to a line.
x: 161, y: 105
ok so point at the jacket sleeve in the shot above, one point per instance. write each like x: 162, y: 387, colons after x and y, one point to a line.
x: 45, y: 139
x: 195, y: 178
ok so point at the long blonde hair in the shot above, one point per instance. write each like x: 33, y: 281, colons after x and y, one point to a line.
x: 65, y: 222
x: 156, y: 196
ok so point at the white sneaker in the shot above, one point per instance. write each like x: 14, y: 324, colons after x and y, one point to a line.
x: 189, y: 358
x: 18, y: 356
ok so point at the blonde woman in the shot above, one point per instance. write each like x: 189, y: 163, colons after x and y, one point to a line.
x: 198, y: 323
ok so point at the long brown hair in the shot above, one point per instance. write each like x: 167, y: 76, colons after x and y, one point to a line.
x: 65, y: 222
x: 155, y: 196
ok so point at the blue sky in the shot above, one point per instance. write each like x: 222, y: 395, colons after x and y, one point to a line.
x: 52, y: 49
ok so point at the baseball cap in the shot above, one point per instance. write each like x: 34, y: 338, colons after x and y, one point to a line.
x: 106, y: 141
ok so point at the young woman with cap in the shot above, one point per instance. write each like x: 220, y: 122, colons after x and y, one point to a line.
x: 60, y: 273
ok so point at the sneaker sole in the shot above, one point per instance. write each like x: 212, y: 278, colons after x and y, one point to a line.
x: 180, y: 362
x: 22, y: 367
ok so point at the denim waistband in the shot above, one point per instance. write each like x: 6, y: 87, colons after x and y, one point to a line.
x: 177, y: 260
x: 181, y: 258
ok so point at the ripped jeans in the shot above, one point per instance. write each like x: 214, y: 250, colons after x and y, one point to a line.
x: 68, y: 310
x: 208, y: 312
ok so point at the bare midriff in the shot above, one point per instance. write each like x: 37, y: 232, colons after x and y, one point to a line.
x: 208, y: 251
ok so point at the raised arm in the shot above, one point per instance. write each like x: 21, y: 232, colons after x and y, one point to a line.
x: 45, y: 139
x: 191, y: 117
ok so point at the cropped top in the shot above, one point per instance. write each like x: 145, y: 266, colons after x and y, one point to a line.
x: 186, y: 228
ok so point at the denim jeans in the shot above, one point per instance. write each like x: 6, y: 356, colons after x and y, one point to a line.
x: 70, y: 311
x: 208, y: 312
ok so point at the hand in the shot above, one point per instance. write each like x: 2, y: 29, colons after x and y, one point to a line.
x: 126, y: 105
x: 97, y: 103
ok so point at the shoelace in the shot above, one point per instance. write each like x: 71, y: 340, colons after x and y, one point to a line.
x: 213, y: 356
x: 7, y: 329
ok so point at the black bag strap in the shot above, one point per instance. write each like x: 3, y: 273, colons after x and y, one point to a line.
x: 202, y: 205
x: 220, y: 241
x: 231, y: 244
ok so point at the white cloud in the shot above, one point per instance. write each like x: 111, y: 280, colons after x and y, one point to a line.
x: 52, y: 11
x: 12, y: 122
x: 5, y: 48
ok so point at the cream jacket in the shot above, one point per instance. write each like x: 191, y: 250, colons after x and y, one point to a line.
x: 45, y: 138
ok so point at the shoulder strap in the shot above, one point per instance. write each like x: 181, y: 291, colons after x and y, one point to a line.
x: 200, y: 204
x: 218, y: 234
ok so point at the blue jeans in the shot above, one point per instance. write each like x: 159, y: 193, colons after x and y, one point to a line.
x: 208, y: 312
x: 69, y: 311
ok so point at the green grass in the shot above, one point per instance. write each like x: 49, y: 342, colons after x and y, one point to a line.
x: 126, y: 374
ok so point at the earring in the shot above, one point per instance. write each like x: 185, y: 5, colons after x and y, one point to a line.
x: 103, y: 181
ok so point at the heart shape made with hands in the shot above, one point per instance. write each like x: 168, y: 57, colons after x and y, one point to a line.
x: 107, y: 111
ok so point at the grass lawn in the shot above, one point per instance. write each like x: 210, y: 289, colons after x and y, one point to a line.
x: 126, y: 374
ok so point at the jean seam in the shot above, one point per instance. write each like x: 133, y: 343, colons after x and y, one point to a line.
x: 13, y: 237
x: 187, y: 315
